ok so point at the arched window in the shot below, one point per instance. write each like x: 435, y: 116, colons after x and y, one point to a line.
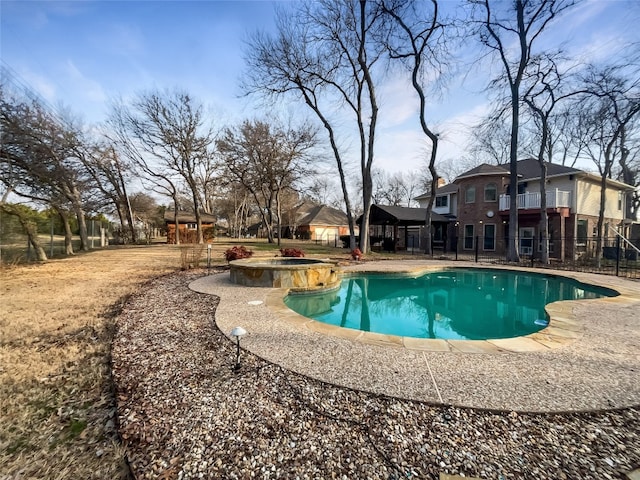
x: 490, y: 192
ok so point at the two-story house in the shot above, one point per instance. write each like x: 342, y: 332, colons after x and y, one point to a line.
x: 480, y: 199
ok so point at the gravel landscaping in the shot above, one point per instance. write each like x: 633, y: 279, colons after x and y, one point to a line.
x: 184, y: 413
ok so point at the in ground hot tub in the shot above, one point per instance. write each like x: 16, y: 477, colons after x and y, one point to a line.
x: 294, y: 273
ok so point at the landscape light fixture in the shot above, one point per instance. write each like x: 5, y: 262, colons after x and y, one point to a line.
x: 238, y: 332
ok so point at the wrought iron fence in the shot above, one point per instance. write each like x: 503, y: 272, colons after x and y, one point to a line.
x: 610, y: 256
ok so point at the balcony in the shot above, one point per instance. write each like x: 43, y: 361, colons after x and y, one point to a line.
x: 526, y: 201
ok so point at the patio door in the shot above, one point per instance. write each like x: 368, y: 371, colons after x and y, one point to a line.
x: 527, y: 234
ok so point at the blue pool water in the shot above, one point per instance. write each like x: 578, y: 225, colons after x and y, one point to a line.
x: 472, y: 304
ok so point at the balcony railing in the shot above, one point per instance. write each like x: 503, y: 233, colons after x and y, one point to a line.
x: 555, y: 199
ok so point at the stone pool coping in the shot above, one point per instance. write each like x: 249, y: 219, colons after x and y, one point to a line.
x: 585, y: 359
x: 563, y: 327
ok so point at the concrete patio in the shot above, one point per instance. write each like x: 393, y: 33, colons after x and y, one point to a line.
x: 586, y: 359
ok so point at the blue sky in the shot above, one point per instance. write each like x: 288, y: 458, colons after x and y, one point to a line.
x: 83, y: 53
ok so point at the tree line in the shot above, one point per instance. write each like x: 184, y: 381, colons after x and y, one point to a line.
x: 331, y: 57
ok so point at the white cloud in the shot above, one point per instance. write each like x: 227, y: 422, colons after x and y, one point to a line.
x: 398, y: 101
x: 83, y: 86
x: 120, y: 39
x: 43, y: 86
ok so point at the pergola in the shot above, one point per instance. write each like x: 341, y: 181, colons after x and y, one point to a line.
x: 395, y: 217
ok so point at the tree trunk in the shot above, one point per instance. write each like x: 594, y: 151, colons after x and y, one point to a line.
x: 367, y: 185
x: 600, y: 224
x: 513, y: 254
x: 278, y: 217
x: 30, y: 228
x: 82, y: 226
x: 544, y: 217
x: 175, y: 219
x: 364, y: 227
x: 196, y: 208
x: 338, y: 158
x: 68, y: 234
x: 32, y: 234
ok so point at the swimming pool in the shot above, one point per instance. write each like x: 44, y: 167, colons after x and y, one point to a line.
x: 472, y: 304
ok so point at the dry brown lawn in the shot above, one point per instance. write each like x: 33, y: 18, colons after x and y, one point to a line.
x: 57, y: 319
x: 57, y: 410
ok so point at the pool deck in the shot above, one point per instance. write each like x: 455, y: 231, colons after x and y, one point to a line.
x: 588, y: 358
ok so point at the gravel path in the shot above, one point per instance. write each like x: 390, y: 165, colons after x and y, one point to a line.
x: 184, y: 413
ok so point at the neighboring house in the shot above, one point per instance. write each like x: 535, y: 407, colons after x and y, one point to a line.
x: 479, y: 201
x: 321, y: 223
x: 187, y: 226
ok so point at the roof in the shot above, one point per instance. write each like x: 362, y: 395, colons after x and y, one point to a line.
x: 303, y: 209
x: 392, y: 215
x: 484, y: 169
x: 324, y: 215
x: 449, y: 188
x: 187, y: 217
x: 529, y: 169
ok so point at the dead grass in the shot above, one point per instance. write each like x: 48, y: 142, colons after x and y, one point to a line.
x: 56, y: 326
x: 57, y: 410
x: 58, y: 416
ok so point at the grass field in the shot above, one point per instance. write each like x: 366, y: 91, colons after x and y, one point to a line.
x: 56, y: 325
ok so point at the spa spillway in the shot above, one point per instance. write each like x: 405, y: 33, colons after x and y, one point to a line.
x: 294, y: 273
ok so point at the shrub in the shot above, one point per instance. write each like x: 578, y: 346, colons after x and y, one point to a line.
x: 356, y: 254
x: 237, y: 253
x: 291, y: 252
x: 191, y: 255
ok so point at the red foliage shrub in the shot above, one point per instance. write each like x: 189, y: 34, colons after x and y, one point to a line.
x: 237, y: 253
x: 356, y: 254
x: 291, y: 252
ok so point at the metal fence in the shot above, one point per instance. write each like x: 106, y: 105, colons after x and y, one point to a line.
x: 613, y: 256
x: 328, y: 240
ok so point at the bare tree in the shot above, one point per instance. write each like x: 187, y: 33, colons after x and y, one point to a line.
x: 147, y: 211
x: 491, y: 139
x: 607, y: 113
x: 396, y: 188
x: 417, y: 39
x: 108, y: 173
x: 165, y: 135
x: 267, y: 159
x: 291, y: 63
x: 326, y: 53
x: 322, y: 190
x: 546, y: 89
x: 523, y: 23
x: 43, y: 151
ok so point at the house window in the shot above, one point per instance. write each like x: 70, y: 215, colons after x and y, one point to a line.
x: 581, y: 233
x: 620, y: 198
x: 470, y: 195
x: 521, y: 188
x: 442, y: 201
x: 527, y: 234
x: 490, y: 192
x: 192, y: 226
x: 468, y: 237
x: 551, y: 238
x: 489, y: 242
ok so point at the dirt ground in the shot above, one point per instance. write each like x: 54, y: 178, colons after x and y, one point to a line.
x: 57, y: 413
